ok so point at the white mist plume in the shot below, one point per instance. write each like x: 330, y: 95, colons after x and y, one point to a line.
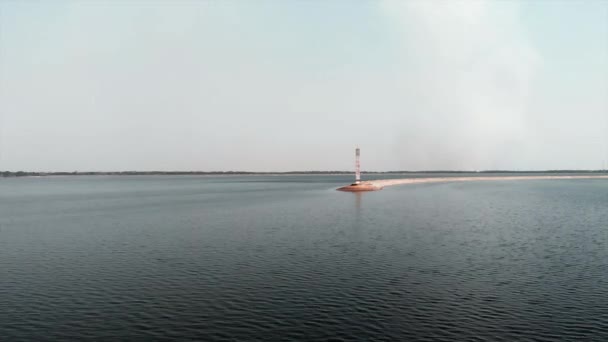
x: 473, y: 69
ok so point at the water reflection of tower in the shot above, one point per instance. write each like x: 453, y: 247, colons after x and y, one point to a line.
x: 358, y: 203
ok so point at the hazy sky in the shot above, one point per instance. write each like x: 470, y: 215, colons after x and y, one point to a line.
x: 296, y: 85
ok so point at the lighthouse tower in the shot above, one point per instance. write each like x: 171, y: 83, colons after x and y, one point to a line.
x: 358, y: 186
x: 357, y: 166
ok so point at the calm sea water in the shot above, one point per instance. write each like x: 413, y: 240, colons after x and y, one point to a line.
x: 264, y: 258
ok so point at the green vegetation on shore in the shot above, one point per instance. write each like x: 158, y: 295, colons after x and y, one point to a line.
x: 227, y: 173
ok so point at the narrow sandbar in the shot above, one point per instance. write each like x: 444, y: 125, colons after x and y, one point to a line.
x: 381, y: 183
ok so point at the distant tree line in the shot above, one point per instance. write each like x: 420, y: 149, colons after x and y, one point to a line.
x: 219, y: 173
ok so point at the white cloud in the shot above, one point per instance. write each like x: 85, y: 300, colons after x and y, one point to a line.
x: 474, y: 68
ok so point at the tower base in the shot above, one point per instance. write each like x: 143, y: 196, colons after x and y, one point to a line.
x: 355, y: 187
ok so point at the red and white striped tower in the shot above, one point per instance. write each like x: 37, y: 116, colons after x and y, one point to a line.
x: 357, y: 167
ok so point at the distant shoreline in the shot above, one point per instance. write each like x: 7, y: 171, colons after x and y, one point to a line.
x: 247, y: 173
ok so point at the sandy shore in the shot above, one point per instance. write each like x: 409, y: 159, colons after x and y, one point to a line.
x: 365, y: 186
x: 381, y: 183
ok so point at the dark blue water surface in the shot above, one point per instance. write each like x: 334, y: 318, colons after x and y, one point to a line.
x: 264, y: 258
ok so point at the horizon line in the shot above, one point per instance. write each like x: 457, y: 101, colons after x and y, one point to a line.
x: 237, y: 172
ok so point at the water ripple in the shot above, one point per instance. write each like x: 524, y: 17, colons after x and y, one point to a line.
x: 520, y: 261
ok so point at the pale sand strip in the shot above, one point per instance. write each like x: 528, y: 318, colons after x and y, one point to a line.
x: 403, y: 181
